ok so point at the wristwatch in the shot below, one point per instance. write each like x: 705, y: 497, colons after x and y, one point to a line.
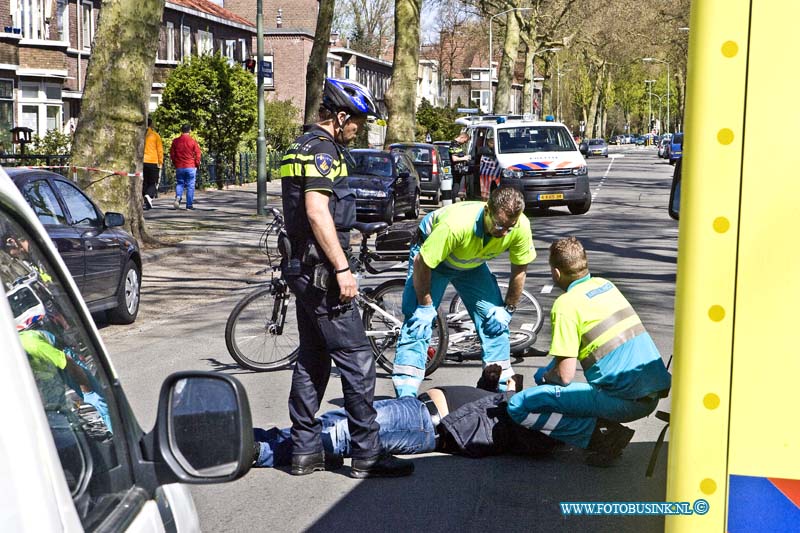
x: 511, y: 308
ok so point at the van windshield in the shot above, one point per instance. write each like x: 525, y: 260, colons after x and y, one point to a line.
x: 526, y: 139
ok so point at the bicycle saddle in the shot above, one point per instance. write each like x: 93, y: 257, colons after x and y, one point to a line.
x: 368, y: 228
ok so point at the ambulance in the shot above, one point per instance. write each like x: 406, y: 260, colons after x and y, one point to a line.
x: 734, y: 450
x: 540, y: 158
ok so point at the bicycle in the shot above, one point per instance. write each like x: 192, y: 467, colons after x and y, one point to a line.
x: 259, y: 336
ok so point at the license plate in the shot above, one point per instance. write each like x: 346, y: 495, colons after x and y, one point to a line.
x: 447, y: 170
x: 558, y: 196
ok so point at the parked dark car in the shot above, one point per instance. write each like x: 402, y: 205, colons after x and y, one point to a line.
x: 104, y: 259
x: 385, y: 183
x: 675, y: 148
x: 430, y: 166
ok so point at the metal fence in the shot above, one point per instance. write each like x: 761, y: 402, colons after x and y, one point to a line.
x: 245, y: 171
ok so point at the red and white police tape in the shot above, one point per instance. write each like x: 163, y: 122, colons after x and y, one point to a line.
x: 73, y: 169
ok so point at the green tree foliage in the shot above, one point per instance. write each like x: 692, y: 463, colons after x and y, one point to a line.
x: 53, y: 143
x: 438, y: 121
x: 217, y: 99
x: 281, y: 126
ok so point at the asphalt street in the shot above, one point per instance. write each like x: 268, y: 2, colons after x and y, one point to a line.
x: 186, y: 298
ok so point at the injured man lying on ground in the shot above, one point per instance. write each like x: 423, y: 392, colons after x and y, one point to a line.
x: 462, y: 420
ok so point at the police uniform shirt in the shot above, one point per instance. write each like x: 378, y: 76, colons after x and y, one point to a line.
x: 454, y: 236
x: 312, y: 163
x: 594, y: 322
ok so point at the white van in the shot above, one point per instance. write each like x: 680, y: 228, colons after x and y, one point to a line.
x: 72, y: 455
x: 539, y: 158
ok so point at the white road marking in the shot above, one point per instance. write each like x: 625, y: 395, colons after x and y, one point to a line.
x: 547, y: 289
x: 602, y: 180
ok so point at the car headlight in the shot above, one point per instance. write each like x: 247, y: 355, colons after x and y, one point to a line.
x: 369, y: 193
x: 508, y: 173
x: 581, y: 170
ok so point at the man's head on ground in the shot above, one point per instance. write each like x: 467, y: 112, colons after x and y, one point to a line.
x: 345, y: 107
x: 490, y: 379
x: 567, y: 261
x: 504, y: 207
x: 186, y: 128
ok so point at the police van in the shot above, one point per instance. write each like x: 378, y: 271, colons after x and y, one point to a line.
x: 72, y: 454
x: 538, y: 157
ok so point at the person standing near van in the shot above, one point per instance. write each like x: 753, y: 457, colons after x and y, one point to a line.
x: 185, y: 155
x: 454, y: 244
x: 153, y: 160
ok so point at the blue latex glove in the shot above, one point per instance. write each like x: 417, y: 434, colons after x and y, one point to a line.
x: 497, y: 319
x: 420, y: 325
x: 538, y: 377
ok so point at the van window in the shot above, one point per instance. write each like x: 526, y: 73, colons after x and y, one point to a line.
x: 74, y: 389
x: 524, y: 139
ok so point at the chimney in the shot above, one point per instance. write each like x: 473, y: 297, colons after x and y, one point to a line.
x: 279, y: 18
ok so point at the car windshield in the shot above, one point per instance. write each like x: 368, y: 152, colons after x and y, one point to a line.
x: 418, y: 154
x: 372, y: 164
x: 594, y: 142
x: 534, y: 139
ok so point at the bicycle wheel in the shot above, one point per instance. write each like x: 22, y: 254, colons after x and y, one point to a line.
x: 527, y: 317
x: 467, y: 344
x: 261, y: 333
x: 383, y: 331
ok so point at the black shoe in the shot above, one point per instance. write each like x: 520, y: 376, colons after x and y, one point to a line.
x: 381, y: 466
x: 303, y: 464
x: 189, y: 207
x: 608, y: 441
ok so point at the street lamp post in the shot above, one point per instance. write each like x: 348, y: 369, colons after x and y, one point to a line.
x: 559, y: 73
x: 533, y: 71
x: 650, y: 103
x: 491, y: 19
x: 656, y: 60
x: 660, y: 104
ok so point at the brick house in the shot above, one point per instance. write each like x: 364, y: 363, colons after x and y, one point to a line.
x: 45, y: 47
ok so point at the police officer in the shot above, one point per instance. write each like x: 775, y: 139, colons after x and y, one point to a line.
x: 320, y: 211
x: 456, y: 241
x: 459, y: 157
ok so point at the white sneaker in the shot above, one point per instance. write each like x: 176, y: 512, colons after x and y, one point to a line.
x: 148, y: 201
x: 176, y: 203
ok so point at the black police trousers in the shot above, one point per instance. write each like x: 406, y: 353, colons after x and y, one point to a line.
x: 329, y: 330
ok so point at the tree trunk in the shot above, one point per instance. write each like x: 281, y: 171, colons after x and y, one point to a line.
x: 315, y: 71
x: 401, y: 96
x: 110, y: 133
x: 505, y: 77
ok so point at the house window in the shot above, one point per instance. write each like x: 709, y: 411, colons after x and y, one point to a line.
x: 480, y: 98
x: 6, y: 113
x: 170, y: 41
x: 205, y: 42
x: 243, y: 49
x: 476, y: 76
x: 87, y: 26
x: 186, y: 48
x: 230, y: 51
x: 41, y: 108
x: 62, y: 19
x: 32, y: 16
x: 347, y: 72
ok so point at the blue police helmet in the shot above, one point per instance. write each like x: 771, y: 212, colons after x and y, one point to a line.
x: 349, y: 96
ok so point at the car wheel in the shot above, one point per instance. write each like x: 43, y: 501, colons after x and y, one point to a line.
x: 388, y: 215
x: 127, y: 296
x: 413, y: 213
x: 580, y: 208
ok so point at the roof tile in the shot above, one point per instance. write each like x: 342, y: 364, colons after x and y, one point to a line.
x: 211, y: 8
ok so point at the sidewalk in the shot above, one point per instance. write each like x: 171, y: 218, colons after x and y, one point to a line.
x: 222, y: 221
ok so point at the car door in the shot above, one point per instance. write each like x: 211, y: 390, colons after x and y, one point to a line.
x: 102, y: 253
x: 73, y: 406
x: 404, y: 187
x: 43, y: 200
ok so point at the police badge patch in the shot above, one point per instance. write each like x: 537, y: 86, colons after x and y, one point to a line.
x: 324, y: 163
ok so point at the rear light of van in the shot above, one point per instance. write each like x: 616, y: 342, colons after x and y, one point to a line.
x: 435, y: 162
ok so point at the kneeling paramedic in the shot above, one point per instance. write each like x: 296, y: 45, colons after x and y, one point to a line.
x: 594, y: 325
x: 454, y: 244
x: 320, y: 211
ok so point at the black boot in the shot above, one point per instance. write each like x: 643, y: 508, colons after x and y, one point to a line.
x: 607, y: 442
x: 303, y: 464
x: 381, y: 466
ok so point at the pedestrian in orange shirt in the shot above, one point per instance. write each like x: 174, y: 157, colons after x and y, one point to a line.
x: 153, y: 160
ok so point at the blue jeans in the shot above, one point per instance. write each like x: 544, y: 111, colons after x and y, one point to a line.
x: 479, y: 293
x: 185, y: 177
x: 406, y: 428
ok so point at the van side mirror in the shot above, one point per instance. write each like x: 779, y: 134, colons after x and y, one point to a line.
x: 584, y: 148
x: 675, y: 192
